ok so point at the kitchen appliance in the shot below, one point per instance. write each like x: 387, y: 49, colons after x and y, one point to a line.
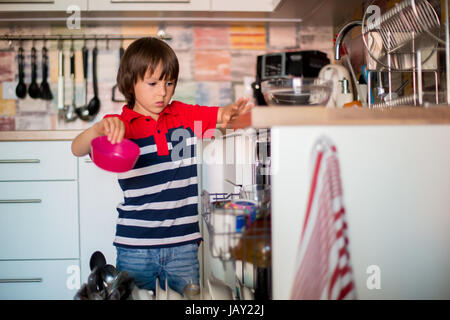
x: 285, y: 65
x: 342, y: 91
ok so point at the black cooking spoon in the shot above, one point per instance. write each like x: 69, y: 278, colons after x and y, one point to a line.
x: 88, y: 112
x: 33, y: 90
x: 45, y: 92
x: 21, y: 89
x: 94, y: 104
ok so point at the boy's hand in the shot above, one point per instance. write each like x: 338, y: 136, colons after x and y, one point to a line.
x: 112, y: 127
x: 231, y: 111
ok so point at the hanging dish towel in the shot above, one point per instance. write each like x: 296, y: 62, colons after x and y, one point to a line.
x: 323, y: 269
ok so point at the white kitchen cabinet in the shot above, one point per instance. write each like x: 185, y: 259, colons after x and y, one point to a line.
x: 149, y: 5
x: 39, y: 235
x: 38, y: 279
x: 99, y: 195
x: 42, y: 5
x: 39, y: 220
x: 248, y: 5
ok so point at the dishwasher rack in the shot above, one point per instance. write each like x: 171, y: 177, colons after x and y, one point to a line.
x: 242, y: 236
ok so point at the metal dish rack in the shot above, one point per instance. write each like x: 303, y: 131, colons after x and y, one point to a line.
x: 403, y: 39
x: 249, y: 242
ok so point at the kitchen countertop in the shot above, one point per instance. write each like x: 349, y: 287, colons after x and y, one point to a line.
x: 39, y: 135
x: 266, y: 117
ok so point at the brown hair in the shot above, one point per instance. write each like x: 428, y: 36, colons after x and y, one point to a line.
x: 142, y: 55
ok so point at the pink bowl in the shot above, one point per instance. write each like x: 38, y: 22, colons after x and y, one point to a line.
x: 119, y: 157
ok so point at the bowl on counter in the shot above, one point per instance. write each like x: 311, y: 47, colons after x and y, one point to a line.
x: 296, y: 91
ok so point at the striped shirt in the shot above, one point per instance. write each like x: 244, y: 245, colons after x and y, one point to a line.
x: 161, y: 191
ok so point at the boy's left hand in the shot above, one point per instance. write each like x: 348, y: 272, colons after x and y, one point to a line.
x: 231, y: 111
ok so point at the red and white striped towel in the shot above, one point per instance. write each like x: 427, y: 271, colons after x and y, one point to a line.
x: 323, y: 263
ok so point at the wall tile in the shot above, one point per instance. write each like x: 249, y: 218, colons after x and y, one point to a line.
x: 212, y: 65
x: 7, y: 63
x: 182, y: 37
x: 213, y: 93
x: 7, y: 123
x: 248, y: 37
x: 212, y: 37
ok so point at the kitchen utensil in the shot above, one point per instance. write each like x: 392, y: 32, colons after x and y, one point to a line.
x: 296, y: 91
x: 119, y: 157
x: 109, y: 275
x: 89, y: 111
x: 83, y: 112
x: 45, y: 92
x: 21, y: 88
x: 33, y: 89
x: 122, y: 286
x: 114, y: 88
x: 60, y: 81
x: 70, y: 110
x: 94, y: 105
x: 97, y: 260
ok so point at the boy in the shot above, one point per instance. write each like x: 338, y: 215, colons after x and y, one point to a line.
x: 157, y: 233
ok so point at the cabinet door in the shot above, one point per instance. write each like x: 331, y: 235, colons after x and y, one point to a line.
x: 248, y: 5
x: 100, y: 194
x: 149, y: 5
x: 39, y: 279
x: 42, y: 5
x: 38, y: 220
x: 37, y: 160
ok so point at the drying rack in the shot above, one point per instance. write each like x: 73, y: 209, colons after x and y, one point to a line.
x: 402, y: 40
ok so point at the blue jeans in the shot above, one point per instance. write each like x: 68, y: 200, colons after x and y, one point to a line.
x: 178, y: 264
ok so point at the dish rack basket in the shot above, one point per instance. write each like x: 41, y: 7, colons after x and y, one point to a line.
x: 237, y: 233
x: 402, y: 39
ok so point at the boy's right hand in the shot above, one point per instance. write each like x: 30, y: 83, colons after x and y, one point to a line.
x: 112, y: 127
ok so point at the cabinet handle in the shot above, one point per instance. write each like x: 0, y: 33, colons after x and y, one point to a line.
x: 86, y: 160
x: 21, y: 280
x: 21, y: 201
x: 20, y: 161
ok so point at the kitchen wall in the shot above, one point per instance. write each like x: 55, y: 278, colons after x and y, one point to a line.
x: 217, y: 65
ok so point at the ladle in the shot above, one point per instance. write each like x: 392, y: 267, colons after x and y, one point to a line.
x: 45, y: 92
x: 109, y: 275
x: 21, y: 89
x: 60, y: 81
x: 82, y: 111
x: 94, y: 104
x: 97, y: 260
x: 33, y: 89
x: 70, y: 114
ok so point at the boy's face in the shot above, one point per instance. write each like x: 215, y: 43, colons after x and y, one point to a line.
x: 151, y: 94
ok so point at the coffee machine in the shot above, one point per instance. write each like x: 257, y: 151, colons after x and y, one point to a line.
x: 306, y: 64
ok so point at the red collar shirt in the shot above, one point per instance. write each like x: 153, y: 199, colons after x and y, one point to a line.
x: 160, y: 192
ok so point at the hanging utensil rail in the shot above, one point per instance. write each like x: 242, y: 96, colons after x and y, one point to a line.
x: 160, y: 35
